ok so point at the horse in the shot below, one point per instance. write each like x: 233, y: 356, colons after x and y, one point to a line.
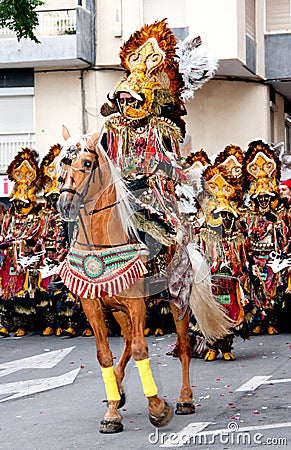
x: 106, y: 268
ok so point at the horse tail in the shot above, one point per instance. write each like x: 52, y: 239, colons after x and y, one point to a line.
x: 210, y: 315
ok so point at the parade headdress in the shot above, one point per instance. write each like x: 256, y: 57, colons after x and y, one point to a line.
x: 194, y: 165
x: 231, y: 158
x: 24, y: 171
x: 48, y: 172
x: 224, y: 187
x: 161, y: 75
x: 197, y: 160
x: 262, y: 170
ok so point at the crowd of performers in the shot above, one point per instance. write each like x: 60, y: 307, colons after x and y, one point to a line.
x: 33, y: 240
x: 229, y: 208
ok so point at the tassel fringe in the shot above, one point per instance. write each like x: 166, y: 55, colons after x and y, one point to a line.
x: 109, y: 286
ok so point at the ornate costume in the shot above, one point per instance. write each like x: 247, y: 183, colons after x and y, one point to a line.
x: 19, y: 234
x: 58, y: 309
x: 143, y: 136
x: 268, y: 232
x: 221, y: 239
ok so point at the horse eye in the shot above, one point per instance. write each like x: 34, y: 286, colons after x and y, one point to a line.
x: 87, y: 164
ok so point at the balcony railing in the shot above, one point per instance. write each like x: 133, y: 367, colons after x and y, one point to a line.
x: 50, y: 23
x: 10, y: 145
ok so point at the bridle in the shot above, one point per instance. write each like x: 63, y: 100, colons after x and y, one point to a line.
x: 72, y: 153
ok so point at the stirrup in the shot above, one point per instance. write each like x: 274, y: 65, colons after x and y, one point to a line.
x: 20, y: 333
x: 228, y: 356
x: 210, y: 355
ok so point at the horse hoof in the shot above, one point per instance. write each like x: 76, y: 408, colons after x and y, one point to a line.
x: 164, y: 418
x: 121, y: 401
x: 184, y: 408
x: 111, y: 426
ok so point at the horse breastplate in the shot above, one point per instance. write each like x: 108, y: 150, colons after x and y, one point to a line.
x: 99, y: 273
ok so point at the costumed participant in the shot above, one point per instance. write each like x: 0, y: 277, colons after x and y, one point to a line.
x: 221, y: 239
x: 19, y: 234
x: 285, y: 312
x: 142, y: 137
x: 59, y: 311
x: 191, y: 197
x: 268, y: 233
x: 285, y: 192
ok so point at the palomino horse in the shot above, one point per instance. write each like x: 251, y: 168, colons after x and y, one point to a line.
x: 105, y: 267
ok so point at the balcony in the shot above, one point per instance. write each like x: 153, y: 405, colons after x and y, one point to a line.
x: 66, y: 36
x: 10, y: 145
x: 278, y: 62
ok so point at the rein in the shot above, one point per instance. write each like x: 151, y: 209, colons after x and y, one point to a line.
x: 81, y: 195
x: 87, y: 244
x: 102, y: 209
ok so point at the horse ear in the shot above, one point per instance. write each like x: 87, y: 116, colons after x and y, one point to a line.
x: 95, y: 138
x: 65, y: 133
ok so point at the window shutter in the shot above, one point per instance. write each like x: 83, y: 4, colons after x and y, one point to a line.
x: 278, y: 16
x: 16, y: 114
x: 250, y: 6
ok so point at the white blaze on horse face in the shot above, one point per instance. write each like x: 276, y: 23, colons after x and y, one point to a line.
x: 72, y: 183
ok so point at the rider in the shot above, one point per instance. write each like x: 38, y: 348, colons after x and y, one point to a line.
x: 143, y: 135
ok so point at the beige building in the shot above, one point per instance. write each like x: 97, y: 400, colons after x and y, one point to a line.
x: 66, y: 78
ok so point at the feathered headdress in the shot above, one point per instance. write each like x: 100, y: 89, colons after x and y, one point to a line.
x: 48, y: 172
x: 197, y: 160
x: 194, y: 165
x: 161, y: 73
x: 24, y: 171
x: 262, y: 170
x: 231, y: 158
x: 224, y: 188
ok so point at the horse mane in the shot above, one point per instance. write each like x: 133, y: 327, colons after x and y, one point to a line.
x: 124, y: 197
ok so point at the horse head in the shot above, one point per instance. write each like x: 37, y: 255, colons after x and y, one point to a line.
x: 76, y: 168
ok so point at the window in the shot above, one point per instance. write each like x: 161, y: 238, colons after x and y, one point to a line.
x: 278, y: 16
x: 250, y: 6
x: 16, y: 122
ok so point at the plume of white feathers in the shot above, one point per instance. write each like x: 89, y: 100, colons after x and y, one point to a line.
x: 196, y: 65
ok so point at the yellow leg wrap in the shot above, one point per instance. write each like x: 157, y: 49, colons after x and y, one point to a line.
x: 110, y: 383
x: 145, y: 373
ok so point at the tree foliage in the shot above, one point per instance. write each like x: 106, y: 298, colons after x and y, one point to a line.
x: 20, y: 16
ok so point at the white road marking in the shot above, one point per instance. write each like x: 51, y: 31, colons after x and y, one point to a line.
x: 185, y: 436
x: 28, y: 387
x: 257, y: 381
x: 46, y: 360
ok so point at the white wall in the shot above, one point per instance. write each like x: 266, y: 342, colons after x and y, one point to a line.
x: 176, y: 17
x: 57, y: 102
x: 217, y: 23
x: 225, y: 112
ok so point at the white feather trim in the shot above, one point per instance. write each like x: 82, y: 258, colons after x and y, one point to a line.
x: 196, y: 65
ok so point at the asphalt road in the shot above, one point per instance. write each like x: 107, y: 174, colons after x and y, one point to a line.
x: 51, y: 395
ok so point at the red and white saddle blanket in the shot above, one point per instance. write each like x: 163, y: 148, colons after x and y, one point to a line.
x: 105, y: 272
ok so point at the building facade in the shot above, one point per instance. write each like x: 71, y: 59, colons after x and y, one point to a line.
x: 65, y: 79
